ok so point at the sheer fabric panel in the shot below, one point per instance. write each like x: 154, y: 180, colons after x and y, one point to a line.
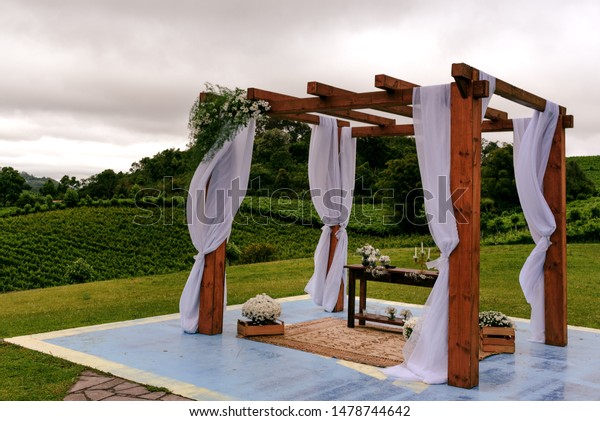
x: 216, y: 192
x: 532, y: 144
x: 331, y: 170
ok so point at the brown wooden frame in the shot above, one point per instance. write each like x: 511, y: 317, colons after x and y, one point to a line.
x: 395, y: 98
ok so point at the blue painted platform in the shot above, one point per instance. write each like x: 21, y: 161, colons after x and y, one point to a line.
x: 224, y: 367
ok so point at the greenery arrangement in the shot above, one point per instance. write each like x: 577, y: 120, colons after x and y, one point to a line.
x: 493, y: 318
x: 215, y: 118
x: 261, y: 309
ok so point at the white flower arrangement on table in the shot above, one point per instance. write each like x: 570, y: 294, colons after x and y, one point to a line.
x: 375, y: 263
x: 494, y: 319
x: 368, y: 254
x: 409, y: 326
x: 262, y: 310
x: 222, y: 112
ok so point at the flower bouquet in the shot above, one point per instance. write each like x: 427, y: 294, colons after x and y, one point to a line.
x: 375, y: 263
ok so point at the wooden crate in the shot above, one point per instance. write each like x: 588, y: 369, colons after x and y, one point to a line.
x: 497, y: 339
x: 245, y: 328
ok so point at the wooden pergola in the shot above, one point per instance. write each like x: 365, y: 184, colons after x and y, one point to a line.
x: 395, y: 97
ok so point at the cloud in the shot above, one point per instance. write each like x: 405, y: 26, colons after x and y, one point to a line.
x: 124, y: 74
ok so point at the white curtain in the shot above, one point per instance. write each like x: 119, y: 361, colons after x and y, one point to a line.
x: 331, y: 168
x: 216, y: 192
x: 533, y: 140
x: 426, y: 351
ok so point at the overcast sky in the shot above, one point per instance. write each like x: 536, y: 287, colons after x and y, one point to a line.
x: 90, y: 85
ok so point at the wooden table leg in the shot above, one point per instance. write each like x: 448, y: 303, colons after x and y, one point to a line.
x: 351, y: 298
x: 362, y: 300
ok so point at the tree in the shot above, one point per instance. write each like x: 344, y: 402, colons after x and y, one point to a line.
x: 400, y: 184
x: 11, y: 185
x: 498, y: 176
x: 49, y: 188
x: 579, y: 185
x: 71, y: 198
x: 101, y: 186
x: 26, y: 198
x: 67, y: 182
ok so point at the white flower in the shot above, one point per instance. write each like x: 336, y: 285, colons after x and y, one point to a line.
x: 262, y: 309
x: 494, y: 319
x: 409, y: 326
x: 405, y: 314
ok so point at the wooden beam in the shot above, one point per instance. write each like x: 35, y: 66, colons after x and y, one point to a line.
x: 274, y: 98
x: 494, y: 114
x: 212, y: 293
x: 465, y: 184
x: 566, y: 122
x: 342, y: 102
x: 308, y: 119
x: 463, y: 72
x: 373, y: 131
x: 555, y: 266
x: 503, y: 125
x: 255, y: 93
x: 391, y: 83
x: 325, y: 91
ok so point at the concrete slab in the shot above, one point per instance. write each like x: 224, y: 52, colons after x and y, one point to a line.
x: 224, y: 367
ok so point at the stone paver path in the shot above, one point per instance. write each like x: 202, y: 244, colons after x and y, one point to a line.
x: 93, y: 386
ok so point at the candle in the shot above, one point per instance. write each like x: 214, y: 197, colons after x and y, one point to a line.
x: 422, y: 251
x: 428, y: 253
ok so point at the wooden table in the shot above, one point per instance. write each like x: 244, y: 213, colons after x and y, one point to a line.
x: 401, y: 276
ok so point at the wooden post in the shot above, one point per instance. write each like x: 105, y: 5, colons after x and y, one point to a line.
x: 465, y: 185
x: 555, y: 267
x: 339, y: 305
x: 212, y: 292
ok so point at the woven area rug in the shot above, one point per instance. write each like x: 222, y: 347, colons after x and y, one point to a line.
x: 331, y: 337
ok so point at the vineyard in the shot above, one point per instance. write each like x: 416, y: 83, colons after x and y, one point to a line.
x: 37, y: 250
x: 590, y: 165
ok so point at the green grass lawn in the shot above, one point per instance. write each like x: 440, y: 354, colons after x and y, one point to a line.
x: 26, y: 375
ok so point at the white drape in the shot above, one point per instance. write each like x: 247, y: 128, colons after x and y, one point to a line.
x: 331, y: 169
x: 533, y: 140
x: 426, y: 351
x: 216, y: 192
x: 492, y: 85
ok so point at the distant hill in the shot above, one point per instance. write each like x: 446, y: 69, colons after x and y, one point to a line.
x: 35, y: 182
x: 591, y: 166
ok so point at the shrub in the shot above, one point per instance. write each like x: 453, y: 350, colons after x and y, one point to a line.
x: 79, y: 271
x: 233, y: 252
x: 26, y: 198
x: 258, y: 252
x: 574, y: 215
